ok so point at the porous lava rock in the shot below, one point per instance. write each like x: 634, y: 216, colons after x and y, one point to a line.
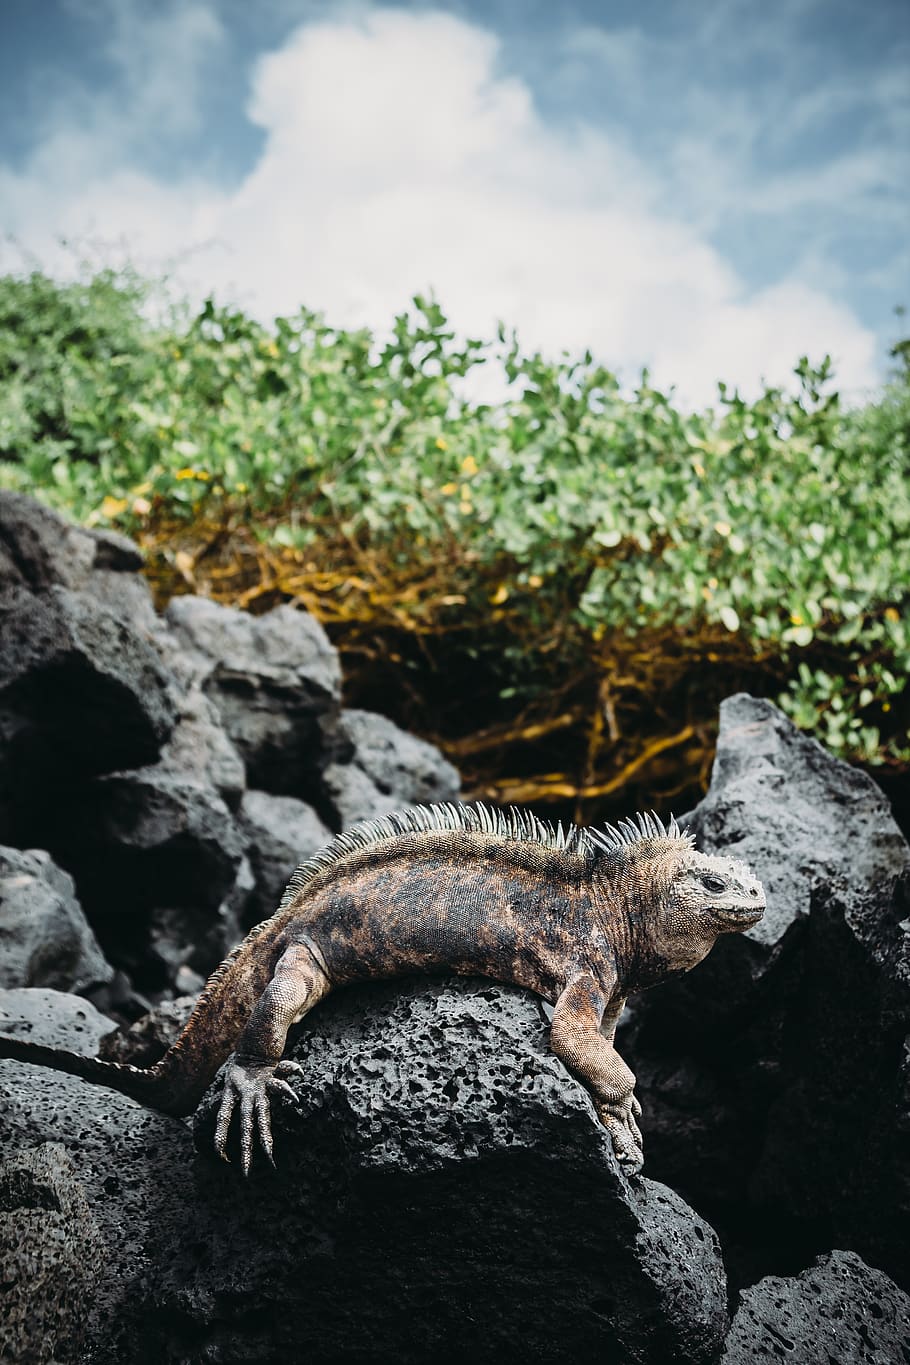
x: 281, y: 832
x: 45, y: 939
x: 51, y: 1250
x: 839, y: 1310
x: 54, y: 1019
x: 757, y: 1067
x: 444, y: 1192
x: 90, y: 693
x: 445, y: 1163
x: 271, y: 678
x: 387, y: 769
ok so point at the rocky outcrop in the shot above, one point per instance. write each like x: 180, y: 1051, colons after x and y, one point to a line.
x: 763, y: 1065
x: 45, y: 939
x: 271, y: 678
x: 148, y: 732
x: 442, y: 1160
x: 91, y: 693
x: 837, y: 1310
x: 50, y: 1252
x: 54, y: 1019
x: 281, y: 832
x: 386, y: 769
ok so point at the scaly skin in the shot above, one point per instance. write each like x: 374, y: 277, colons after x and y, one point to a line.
x: 583, y: 918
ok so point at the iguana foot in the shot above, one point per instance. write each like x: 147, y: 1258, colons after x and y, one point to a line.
x: 625, y: 1134
x: 251, y: 1085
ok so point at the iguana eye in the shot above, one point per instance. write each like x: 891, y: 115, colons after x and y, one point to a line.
x: 711, y: 882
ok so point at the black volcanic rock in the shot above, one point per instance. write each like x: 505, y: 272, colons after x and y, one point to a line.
x: 445, y: 1163
x: 272, y: 678
x: 759, y: 1069
x: 839, y: 1310
x: 444, y: 1193
x: 51, y: 1250
x: 45, y: 939
x: 89, y: 693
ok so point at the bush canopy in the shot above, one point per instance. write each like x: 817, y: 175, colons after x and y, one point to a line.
x: 570, y: 568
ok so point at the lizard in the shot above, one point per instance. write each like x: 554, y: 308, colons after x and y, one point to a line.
x: 581, y: 916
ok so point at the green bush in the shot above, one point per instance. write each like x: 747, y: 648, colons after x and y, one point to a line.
x: 566, y: 523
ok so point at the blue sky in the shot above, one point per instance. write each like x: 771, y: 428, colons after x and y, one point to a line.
x: 708, y: 188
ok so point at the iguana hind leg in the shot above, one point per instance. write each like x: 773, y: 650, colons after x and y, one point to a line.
x: 576, y: 1038
x: 255, y: 1072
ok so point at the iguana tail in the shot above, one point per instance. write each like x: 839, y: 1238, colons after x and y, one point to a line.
x: 152, y: 1086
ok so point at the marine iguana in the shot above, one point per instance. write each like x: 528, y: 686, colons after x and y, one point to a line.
x: 581, y: 916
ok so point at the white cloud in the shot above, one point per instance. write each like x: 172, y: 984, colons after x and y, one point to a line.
x: 398, y: 158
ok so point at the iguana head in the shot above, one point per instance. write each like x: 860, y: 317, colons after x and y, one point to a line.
x: 676, y: 901
x: 713, y: 894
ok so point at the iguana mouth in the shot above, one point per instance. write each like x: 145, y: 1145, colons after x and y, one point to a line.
x: 749, y: 915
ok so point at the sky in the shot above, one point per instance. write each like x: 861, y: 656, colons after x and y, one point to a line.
x: 709, y: 188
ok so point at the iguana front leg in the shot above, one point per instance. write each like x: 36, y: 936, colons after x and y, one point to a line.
x: 254, y: 1072
x: 576, y: 1038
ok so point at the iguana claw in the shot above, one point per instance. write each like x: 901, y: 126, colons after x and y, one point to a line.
x: 250, y: 1085
x: 625, y: 1134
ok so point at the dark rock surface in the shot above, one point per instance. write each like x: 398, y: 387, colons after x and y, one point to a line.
x: 387, y: 769
x: 45, y: 939
x: 760, y: 1069
x: 444, y: 1193
x: 91, y: 693
x: 51, y: 1250
x: 143, y: 1042
x: 53, y: 1018
x: 838, y: 1310
x: 156, y: 854
x: 281, y: 832
x: 271, y: 678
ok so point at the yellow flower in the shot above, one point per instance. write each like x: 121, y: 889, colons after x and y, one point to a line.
x: 112, y: 507
x: 795, y: 618
x: 448, y: 489
x: 500, y: 595
x: 723, y: 528
x: 535, y: 581
x: 441, y: 443
x: 892, y: 614
x: 192, y: 474
x: 468, y: 465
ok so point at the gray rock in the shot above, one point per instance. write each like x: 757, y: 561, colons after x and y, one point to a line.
x: 839, y: 1310
x: 146, y: 1040
x: 272, y: 679
x: 156, y: 857
x: 39, y: 549
x: 443, y: 1162
x: 91, y: 695
x: 446, y: 1163
x: 135, y: 1167
x: 45, y: 939
x: 402, y: 766
x: 281, y: 832
x: 51, y: 1251
x: 200, y: 752
x: 54, y: 1019
x: 759, y: 1068
x: 352, y: 796
x: 386, y: 769
x: 797, y: 815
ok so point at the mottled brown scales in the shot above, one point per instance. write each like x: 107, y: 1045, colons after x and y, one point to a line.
x: 581, y: 917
